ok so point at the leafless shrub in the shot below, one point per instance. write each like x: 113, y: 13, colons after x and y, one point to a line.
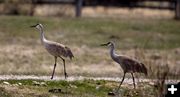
x: 158, y: 69
x: 162, y: 76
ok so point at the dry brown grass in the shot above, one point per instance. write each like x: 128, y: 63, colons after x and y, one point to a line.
x: 101, y: 11
x: 20, y: 59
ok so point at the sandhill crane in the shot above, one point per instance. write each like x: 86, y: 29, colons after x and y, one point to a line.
x: 127, y: 64
x: 55, y: 49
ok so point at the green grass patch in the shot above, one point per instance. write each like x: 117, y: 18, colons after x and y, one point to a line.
x: 128, y: 33
x: 84, y: 88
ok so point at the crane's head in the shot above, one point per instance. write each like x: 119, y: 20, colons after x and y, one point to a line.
x: 108, y: 44
x: 38, y: 26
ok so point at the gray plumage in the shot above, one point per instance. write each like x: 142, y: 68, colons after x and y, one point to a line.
x: 127, y: 64
x: 55, y: 49
x: 130, y: 65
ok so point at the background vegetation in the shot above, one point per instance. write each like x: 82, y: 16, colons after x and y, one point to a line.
x: 154, y: 42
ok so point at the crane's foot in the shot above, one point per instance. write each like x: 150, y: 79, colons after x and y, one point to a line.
x: 65, y: 74
x: 52, y: 77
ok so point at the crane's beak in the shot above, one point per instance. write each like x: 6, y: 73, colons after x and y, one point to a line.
x: 104, y: 44
x: 33, y: 26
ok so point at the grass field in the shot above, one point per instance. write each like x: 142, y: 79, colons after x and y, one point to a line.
x: 155, y: 42
x: 158, y: 34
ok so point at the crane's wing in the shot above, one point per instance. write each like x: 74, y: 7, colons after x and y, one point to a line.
x: 133, y: 65
x: 58, y: 49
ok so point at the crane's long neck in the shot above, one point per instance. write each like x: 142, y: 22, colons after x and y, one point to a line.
x: 112, y: 51
x: 43, y: 39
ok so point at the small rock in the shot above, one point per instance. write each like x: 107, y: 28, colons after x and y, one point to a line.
x: 39, y: 83
x: 73, y: 86
x: 151, y: 83
x: 15, y: 85
x: 43, y: 84
x: 36, y: 83
x: 20, y: 84
x: 6, y: 83
x: 97, y: 87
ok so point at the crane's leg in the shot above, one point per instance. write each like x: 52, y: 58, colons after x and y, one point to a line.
x: 54, y: 68
x: 133, y: 80
x: 65, y: 74
x: 121, y: 82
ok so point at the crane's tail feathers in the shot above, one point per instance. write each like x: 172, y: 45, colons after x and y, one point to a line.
x: 69, y: 53
x: 144, y: 69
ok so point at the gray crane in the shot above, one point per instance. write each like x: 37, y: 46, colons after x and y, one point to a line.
x: 55, y: 49
x: 127, y: 64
